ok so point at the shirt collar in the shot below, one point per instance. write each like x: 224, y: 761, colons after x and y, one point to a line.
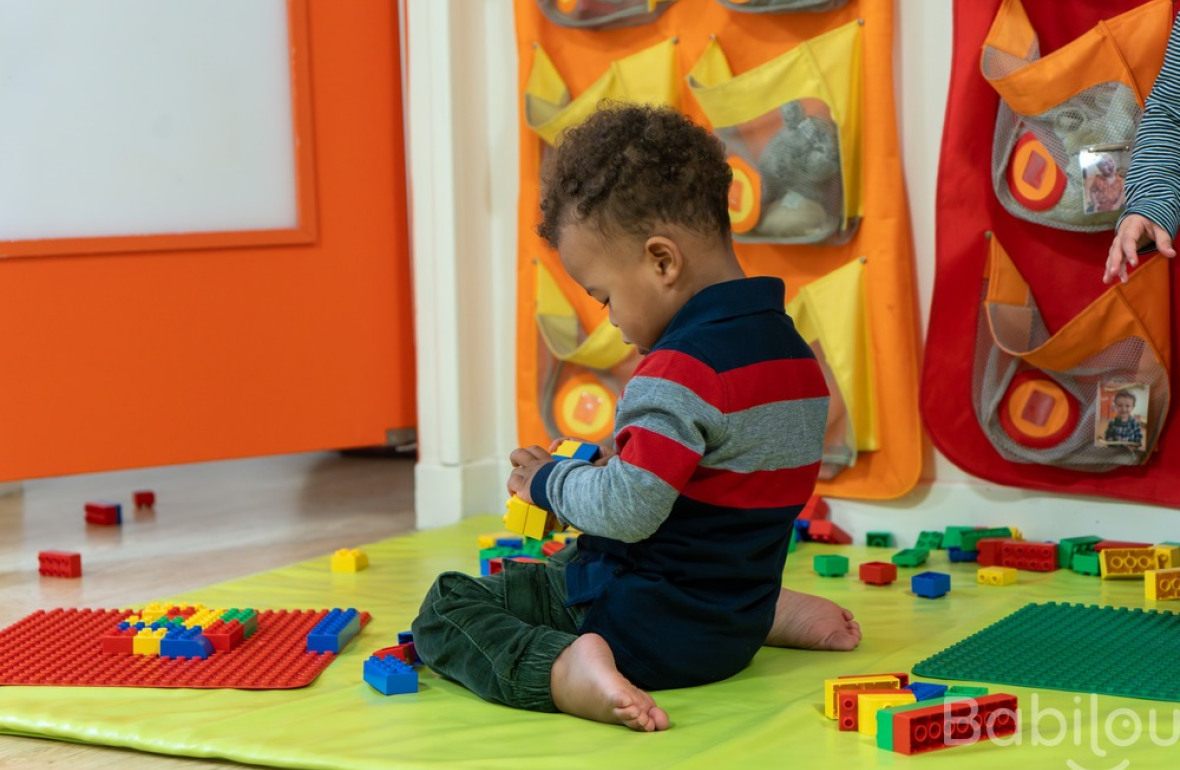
x: 730, y: 299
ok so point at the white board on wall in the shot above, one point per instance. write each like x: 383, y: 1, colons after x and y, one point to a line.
x: 135, y: 117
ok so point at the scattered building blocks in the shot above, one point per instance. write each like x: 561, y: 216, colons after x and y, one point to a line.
x: 816, y: 508
x: 335, y: 631
x: 910, y: 557
x: 1125, y: 563
x: 953, y: 537
x: 879, y: 539
x: 66, y: 564
x: 929, y: 540
x: 349, y: 560
x: 996, y: 576
x: 868, y: 705
x: 931, y: 585
x: 1161, y: 584
x: 1086, y: 563
x: 144, y: 498
x: 847, y: 713
x: 577, y: 450
x: 1167, y: 556
x: 390, y: 676
x: 969, y: 540
x: 1031, y: 557
x: 185, y: 643
x: 104, y: 513
x: 878, y: 573
x: 927, y: 690
x: 956, y: 555
x: 989, y: 551
x: 969, y: 691
x: 830, y: 565
x: 825, y: 531
x: 834, y: 686
x: 1102, y: 545
x: 1067, y: 547
x: 885, y: 718
x: 955, y: 724
x: 527, y: 519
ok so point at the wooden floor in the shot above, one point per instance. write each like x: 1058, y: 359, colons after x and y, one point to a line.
x: 229, y: 519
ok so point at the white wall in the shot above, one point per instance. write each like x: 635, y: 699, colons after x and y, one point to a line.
x: 485, y: 125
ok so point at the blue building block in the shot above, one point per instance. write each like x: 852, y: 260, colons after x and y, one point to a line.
x: 926, y: 690
x: 581, y: 450
x: 185, y: 643
x: 405, y: 636
x: 958, y: 554
x: 335, y: 631
x: 801, y: 529
x: 931, y: 585
x: 389, y: 676
x: 510, y: 542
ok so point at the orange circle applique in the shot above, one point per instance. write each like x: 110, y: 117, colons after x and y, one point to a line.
x: 1034, y: 178
x: 745, y: 196
x: 585, y: 408
x: 1036, y: 412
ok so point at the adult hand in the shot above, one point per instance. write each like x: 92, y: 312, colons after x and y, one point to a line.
x: 1134, y: 231
x: 526, y: 461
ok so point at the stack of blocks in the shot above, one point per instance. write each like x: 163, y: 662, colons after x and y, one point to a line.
x: 390, y: 671
x: 183, y: 631
x: 534, y: 522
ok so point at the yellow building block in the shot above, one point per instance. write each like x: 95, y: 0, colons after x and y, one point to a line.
x: 147, y: 641
x: 1161, y: 584
x: 488, y: 539
x: 349, y: 560
x: 879, y: 682
x: 203, y: 618
x: 867, y: 707
x: 566, y: 449
x: 1016, y: 533
x: 996, y: 576
x: 1167, y: 556
x: 1120, y: 563
x: 527, y: 520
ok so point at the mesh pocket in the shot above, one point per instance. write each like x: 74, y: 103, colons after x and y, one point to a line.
x: 602, y: 13
x: 782, y: 6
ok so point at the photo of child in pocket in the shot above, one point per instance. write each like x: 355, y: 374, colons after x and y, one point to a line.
x: 1122, y: 415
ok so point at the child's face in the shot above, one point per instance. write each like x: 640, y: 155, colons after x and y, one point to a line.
x: 1123, y: 407
x: 623, y: 275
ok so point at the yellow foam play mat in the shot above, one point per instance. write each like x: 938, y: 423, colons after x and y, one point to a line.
x: 768, y: 716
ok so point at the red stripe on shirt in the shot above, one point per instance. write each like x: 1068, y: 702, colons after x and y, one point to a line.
x: 780, y: 379
x: 685, y: 370
x: 667, y: 458
x: 760, y: 489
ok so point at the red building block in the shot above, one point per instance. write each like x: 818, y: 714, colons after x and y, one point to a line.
x: 848, y: 701
x: 1035, y: 557
x: 404, y: 652
x: 816, y: 509
x: 989, y: 551
x: 965, y: 721
x: 145, y: 498
x: 824, y: 531
x: 552, y: 547
x: 496, y: 565
x: 119, y: 641
x: 1119, y: 544
x: 105, y: 514
x: 65, y: 564
x: 224, y: 636
x: 903, y: 679
x: 878, y: 573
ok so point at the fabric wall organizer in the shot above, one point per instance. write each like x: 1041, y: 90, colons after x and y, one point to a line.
x: 1024, y: 337
x: 840, y: 235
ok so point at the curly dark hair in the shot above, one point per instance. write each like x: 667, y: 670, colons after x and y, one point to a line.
x: 629, y: 166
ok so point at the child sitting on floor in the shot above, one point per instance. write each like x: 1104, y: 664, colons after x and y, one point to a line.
x: 677, y: 580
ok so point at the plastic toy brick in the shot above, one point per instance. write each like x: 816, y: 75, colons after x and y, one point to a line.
x: 1032, y: 557
x: 800, y: 528
x: 144, y: 498
x: 885, y: 717
x: 119, y: 641
x: 953, y: 537
x: 927, y: 690
x: 223, y: 635
x: 825, y: 531
x: 989, y: 549
x: 1067, y: 547
x: 930, y: 540
x: 1167, y: 556
x: 104, y: 513
x: 488, y: 539
x: 878, y: 573
x: 957, y: 555
x: 334, y: 632
x: 349, y: 560
x: 247, y: 617
x: 868, y: 705
x: 1086, y: 563
x: 1161, y: 584
x: 405, y: 652
x: 147, y: 641
x: 903, y: 678
x: 847, y: 712
x: 910, y: 557
x: 66, y: 564
x: 793, y: 543
x: 495, y: 566
x: 577, y: 450
x: 931, y: 585
x: 405, y: 636
x: 996, y: 576
x: 551, y: 547
x: 879, y: 539
x: 971, y: 538
x: 528, y: 520
x: 1125, y: 563
x: 967, y: 690
x: 830, y: 565
x: 1102, y: 545
x: 390, y: 676
x: 816, y: 509
x: 955, y: 724
x: 185, y: 643
x: 874, y: 682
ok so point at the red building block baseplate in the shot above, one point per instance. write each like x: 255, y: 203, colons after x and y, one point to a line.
x: 61, y: 647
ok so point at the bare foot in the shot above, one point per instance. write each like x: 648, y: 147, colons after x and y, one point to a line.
x: 585, y: 683
x: 812, y: 623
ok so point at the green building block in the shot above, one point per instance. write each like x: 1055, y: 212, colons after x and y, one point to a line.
x: 885, y: 717
x: 830, y: 564
x: 971, y: 538
x: 1085, y: 563
x: 953, y: 537
x: 793, y: 543
x: 879, y: 539
x: 1068, y: 546
x: 930, y: 540
x: 967, y: 691
x: 910, y: 557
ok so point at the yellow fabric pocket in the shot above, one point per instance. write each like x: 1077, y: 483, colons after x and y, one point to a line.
x: 602, y: 14
x: 792, y: 128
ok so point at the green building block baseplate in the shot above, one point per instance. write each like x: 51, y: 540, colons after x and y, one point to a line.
x: 1073, y: 647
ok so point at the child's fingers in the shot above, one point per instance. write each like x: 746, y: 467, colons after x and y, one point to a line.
x: 1163, y: 241
x: 528, y: 454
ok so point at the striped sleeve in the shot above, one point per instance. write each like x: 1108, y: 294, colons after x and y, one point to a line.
x: 1153, y: 181
x: 667, y: 416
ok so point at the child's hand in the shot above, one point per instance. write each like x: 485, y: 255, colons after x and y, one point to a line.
x: 526, y: 461
x: 1134, y: 231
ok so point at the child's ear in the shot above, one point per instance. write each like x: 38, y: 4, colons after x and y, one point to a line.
x: 664, y: 257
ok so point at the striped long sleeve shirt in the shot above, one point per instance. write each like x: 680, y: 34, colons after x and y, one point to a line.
x: 719, y: 436
x: 1153, y: 181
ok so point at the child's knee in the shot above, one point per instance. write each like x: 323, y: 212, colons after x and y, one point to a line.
x: 449, y: 591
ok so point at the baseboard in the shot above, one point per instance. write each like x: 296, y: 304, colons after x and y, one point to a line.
x: 445, y: 494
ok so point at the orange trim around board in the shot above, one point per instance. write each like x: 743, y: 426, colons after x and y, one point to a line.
x: 305, y: 186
